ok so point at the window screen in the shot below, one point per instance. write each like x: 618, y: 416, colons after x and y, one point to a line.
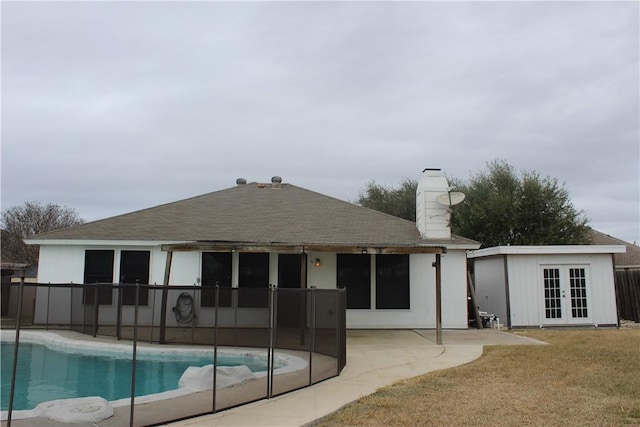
x: 354, y: 274
x: 392, y: 281
x: 98, y: 268
x: 253, y: 280
x: 216, y: 270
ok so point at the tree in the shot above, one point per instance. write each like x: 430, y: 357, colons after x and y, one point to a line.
x: 29, y: 220
x: 503, y: 207
x: 400, y: 202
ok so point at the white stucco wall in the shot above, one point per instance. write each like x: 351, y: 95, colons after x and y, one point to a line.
x: 422, y: 314
x: 57, y: 264
x: 65, y: 263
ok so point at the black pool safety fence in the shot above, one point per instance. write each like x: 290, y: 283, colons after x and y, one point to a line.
x: 303, y: 327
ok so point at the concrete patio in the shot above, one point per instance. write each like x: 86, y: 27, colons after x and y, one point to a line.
x: 375, y: 358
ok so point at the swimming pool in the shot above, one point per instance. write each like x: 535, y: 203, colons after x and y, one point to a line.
x: 53, y: 367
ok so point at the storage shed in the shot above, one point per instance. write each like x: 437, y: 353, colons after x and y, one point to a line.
x: 538, y: 286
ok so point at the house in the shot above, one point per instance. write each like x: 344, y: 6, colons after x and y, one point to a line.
x: 256, y: 234
x: 627, y: 266
x: 14, y: 269
x: 628, y: 260
x: 538, y: 286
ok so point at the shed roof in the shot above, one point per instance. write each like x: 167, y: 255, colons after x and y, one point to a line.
x: 547, y: 250
x: 260, y: 214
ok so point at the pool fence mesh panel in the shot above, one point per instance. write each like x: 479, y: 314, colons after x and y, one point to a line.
x: 309, y: 324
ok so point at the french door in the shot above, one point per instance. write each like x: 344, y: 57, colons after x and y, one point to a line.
x: 566, y: 294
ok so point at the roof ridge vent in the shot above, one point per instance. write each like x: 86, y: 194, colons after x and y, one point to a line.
x: 276, y: 182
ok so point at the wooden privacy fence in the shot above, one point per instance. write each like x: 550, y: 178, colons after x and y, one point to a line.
x: 628, y: 294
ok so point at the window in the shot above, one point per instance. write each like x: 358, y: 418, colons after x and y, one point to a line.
x: 578, y: 287
x: 552, y: 301
x: 216, y: 270
x: 392, y: 281
x: 98, y: 268
x: 290, y: 271
x: 253, y: 280
x: 134, y: 268
x: 354, y: 274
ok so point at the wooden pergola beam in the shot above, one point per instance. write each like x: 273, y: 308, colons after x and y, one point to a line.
x: 346, y: 249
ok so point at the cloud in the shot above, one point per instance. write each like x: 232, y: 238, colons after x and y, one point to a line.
x: 114, y: 106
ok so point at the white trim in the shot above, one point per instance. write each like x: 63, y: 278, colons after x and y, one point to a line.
x: 463, y: 247
x: 548, y: 250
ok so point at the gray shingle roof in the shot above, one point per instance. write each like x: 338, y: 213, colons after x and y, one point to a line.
x: 257, y: 213
x: 629, y: 259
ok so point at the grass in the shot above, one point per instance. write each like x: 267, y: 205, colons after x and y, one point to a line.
x: 585, y: 377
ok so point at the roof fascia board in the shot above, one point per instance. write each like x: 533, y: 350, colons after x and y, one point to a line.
x: 464, y: 247
x: 82, y: 242
x: 547, y: 250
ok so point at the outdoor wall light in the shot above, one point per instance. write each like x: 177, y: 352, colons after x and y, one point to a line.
x: 317, y: 262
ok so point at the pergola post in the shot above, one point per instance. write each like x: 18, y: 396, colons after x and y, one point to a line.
x: 438, y: 266
x: 165, y: 296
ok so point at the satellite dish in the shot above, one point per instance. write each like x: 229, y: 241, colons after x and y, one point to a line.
x: 450, y: 199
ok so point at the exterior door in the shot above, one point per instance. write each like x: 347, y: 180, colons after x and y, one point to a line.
x: 566, y: 295
x: 134, y: 268
x: 291, y: 303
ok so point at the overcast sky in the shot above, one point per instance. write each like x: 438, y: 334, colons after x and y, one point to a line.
x: 113, y: 107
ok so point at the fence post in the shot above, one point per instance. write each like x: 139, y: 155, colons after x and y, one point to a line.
x: 71, y: 294
x: 48, y: 302
x: 134, y: 357
x: 342, y: 341
x: 215, y: 348
x: 193, y: 308
x: 270, y: 350
x: 153, y: 311
x: 312, y: 332
x: 96, y: 299
x: 119, y: 312
x: 15, y: 351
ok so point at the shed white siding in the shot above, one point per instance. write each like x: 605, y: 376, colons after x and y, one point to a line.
x: 526, y: 291
x: 519, y: 297
x: 490, y: 285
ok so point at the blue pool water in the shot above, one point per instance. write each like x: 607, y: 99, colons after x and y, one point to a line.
x: 45, y: 374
